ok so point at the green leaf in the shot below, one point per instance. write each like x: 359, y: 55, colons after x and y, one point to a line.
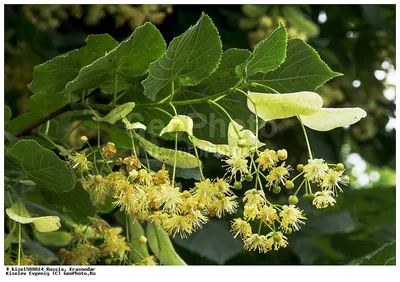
x: 278, y: 106
x: 20, y: 214
x: 117, y: 113
x: 52, y: 76
x: 57, y: 238
x: 161, y: 246
x: 303, y: 70
x: 77, y: 201
x: 118, y: 136
x: 179, y: 123
x: 130, y: 58
x: 138, y: 251
x: 295, y: 17
x: 183, y: 159
x: 385, y: 255
x: 326, y: 119
x: 209, y: 123
x: 40, y: 165
x: 45, y: 103
x: 190, y: 58
x: 7, y: 113
x: 268, y: 53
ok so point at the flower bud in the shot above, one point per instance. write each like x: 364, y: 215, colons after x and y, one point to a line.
x: 142, y: 240
x: 107, y: 261
x: 289, y: 231
x: 237, y: 185
x: 289, y: 184
x: 293, y: 200
x: 300, y: 168
x: 186, y: 194
x: 84, y: 139
x: 98, y: 178
x: 200, y: 206
x: 249, y: 177
x: 282, y: 154
x: 277, y: 237
x: 242, y: 143
x: 276, y: 189
x: 339, y: 166
x: 311, y: 196
x: 346, y: 179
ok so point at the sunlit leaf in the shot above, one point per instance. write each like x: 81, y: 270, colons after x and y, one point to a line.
x: 303, y: 70
x: 277, y: 106
x: 329, y: 118
x: 20, y: 214
x: 268, y: 53
x: 129, y: 59
x: 294, y: 16
x: 52, y: 76
x: 190, y: 58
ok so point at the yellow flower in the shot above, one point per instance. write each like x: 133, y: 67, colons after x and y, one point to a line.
x: 225, y: 205
x: 315, y: 169
x: 28, y: 260
x: 250, y: 211
x: 162, y: 176
x: 114, y: 244
x: 84, y: 254
x: 98, y: 190
x: 277, y: 240
x: 240, y: 227
x: 148, y: 261
x: 204, y: 192
x: 257, y: 242
x: 291, y: 217
x: 109, y: 150
x: 254, y: 196
x: 332, y: 180
x: 267, y: 214
x: 169, y: 196
x: 267, y: 159
x: 79, y: 162
x: 237, y: 164
x: 278, y: 175
x: 132, y: 162
x: 223, y: 186
x: 323, y: 199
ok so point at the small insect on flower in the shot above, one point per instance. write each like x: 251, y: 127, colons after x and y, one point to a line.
x: 315, y: 169
x: 237, y: 164
x: 109, y: 150
x: 240, y: 227
x: 323, y: 199
x: 257, y: 242
x: 332, y: 180
x: 291, y: 217
x: 267, y: 159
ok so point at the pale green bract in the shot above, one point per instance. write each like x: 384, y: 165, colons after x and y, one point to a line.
x: 278, y: 106
x: 179, y: 123
x: 117, y: 113
x: 19, y: 213
x: 329, y: 118
x: 234, y: 135
x: 133, y: 126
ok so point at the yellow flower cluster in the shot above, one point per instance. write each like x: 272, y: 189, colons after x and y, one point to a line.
x: 84, y: 252
x: 328, y: 179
